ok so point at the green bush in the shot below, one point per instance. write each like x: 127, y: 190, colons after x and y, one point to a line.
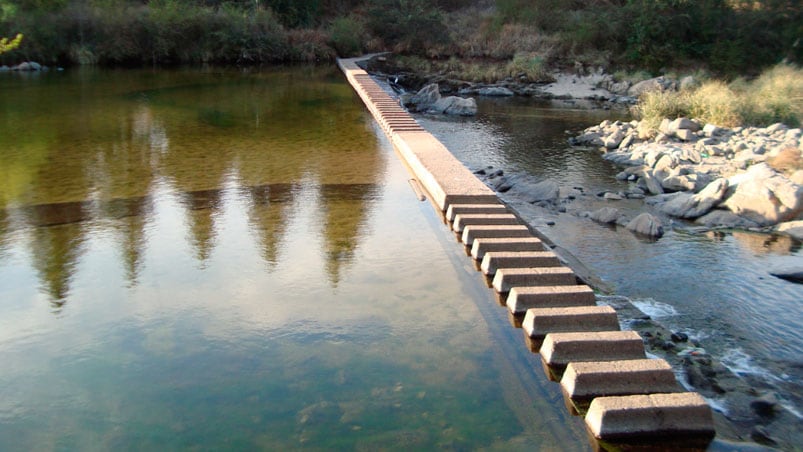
x: 412, y: 26
x: 347, y: 36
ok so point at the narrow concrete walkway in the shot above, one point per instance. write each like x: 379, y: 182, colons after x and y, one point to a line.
x: 604, y: 372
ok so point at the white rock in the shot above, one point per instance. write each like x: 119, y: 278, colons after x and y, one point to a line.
x: 686, y: 205
x: 764, y: 196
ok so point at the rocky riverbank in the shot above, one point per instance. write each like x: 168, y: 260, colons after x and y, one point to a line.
x: 746, y: 178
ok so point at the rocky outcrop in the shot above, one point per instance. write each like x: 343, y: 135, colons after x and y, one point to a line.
x: 741, y: 177
x: 429, y: 100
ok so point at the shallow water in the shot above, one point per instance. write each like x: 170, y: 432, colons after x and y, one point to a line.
x: 715, y: 286
x: 226, y: 260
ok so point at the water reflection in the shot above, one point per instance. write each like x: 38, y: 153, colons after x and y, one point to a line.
x: 99, y: 156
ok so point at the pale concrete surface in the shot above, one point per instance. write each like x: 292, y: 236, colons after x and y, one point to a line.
x: 465, y: 219
x: 495, y: 260
x: 616, y: 378
x: 521, y: 299
x: 473, y: 232
x: 484, y: 245
x: 538, y: 322
x: 560, y: 349
x: 507, y: 278
x: 639, y: 416
x: 454, y: 209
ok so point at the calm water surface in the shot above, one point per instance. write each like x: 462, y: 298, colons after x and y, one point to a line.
x: 715, y: 286
x: 221, y: 260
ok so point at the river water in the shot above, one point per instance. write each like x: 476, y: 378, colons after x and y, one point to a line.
x: 216, y: 260
x: 714, y: 286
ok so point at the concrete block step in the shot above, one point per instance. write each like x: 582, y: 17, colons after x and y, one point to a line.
x: 560, y: 349
x: 495, y: 260
x: 521, y: 299
x: 472, y: 232
x: 455, y: 209
x: 465, y: 219
x: 487, y: 244
x: 538, y: 322
x: 585, y: 381
x: 651, y: 417
x: 507, y: 278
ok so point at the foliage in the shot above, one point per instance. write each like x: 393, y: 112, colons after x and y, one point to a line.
x: 347, y: 36
x: 776, y: 96
x: 411, y: 26
x: 7, y: 45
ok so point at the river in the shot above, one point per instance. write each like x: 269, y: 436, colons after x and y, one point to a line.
x: 714, y: 286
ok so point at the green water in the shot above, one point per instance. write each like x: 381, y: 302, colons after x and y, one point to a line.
x: 220, y: 260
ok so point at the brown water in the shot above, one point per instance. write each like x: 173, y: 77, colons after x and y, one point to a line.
x: 225, y: 260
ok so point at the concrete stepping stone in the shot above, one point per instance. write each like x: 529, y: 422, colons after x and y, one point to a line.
x: 538, y: 322
x: 472, y: 232
x: 488, y: 244
x: 507, y: 278
x: 521, y: 299
x: 464, y: 219
x: 455, y: 209
x: 494, y: 260
x: 651, y: 417
x: 585, y: 381
x: 560, y: 349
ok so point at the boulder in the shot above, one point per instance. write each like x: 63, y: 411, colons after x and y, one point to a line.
x: 426, y: 97
x: 764, y: 196
x: 686, y: 135
x: 678, y: 183
x: 724, y: 219
x: 587, y: 139
x: 605, y: 215
x: 495, y: 91
x: 646, y: 224
x: 453, y: 105
x: 613, y: 140
x: 645, y: 86
x: 793, y: 228
x: 648, y: 181
x: 546, y: 190
x: 686, y: 205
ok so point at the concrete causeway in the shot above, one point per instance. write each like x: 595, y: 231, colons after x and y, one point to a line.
x: 603, y: 372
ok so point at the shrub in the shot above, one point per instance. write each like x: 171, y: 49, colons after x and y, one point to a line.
x: 347, y: 35
x: 412, y: 26
x: 529, y: 65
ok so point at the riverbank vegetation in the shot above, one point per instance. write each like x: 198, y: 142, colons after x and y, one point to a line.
x: 725, y: 36
x: 775, y: 96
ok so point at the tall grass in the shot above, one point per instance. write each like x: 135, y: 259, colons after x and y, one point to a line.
x: 775, y: 96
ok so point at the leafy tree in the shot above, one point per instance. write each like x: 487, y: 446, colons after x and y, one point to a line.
x: 8, y: 45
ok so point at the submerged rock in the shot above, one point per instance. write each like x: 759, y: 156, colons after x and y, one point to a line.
x: 646, y: 224
x: 605, y: 215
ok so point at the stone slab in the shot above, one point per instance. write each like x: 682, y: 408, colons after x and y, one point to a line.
x: 455, y: 209
x: 487, y: 244
x: 472, y: 232
x: 465, y: 219
x: 521, y: 299
x: 650, y: 416
x: 507, y: 278
x: 585, y: 381
x: 495, y: 260
x: 560, y: 349
x: 539, y: 322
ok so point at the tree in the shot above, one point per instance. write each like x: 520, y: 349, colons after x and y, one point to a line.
x: 6, y: 45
